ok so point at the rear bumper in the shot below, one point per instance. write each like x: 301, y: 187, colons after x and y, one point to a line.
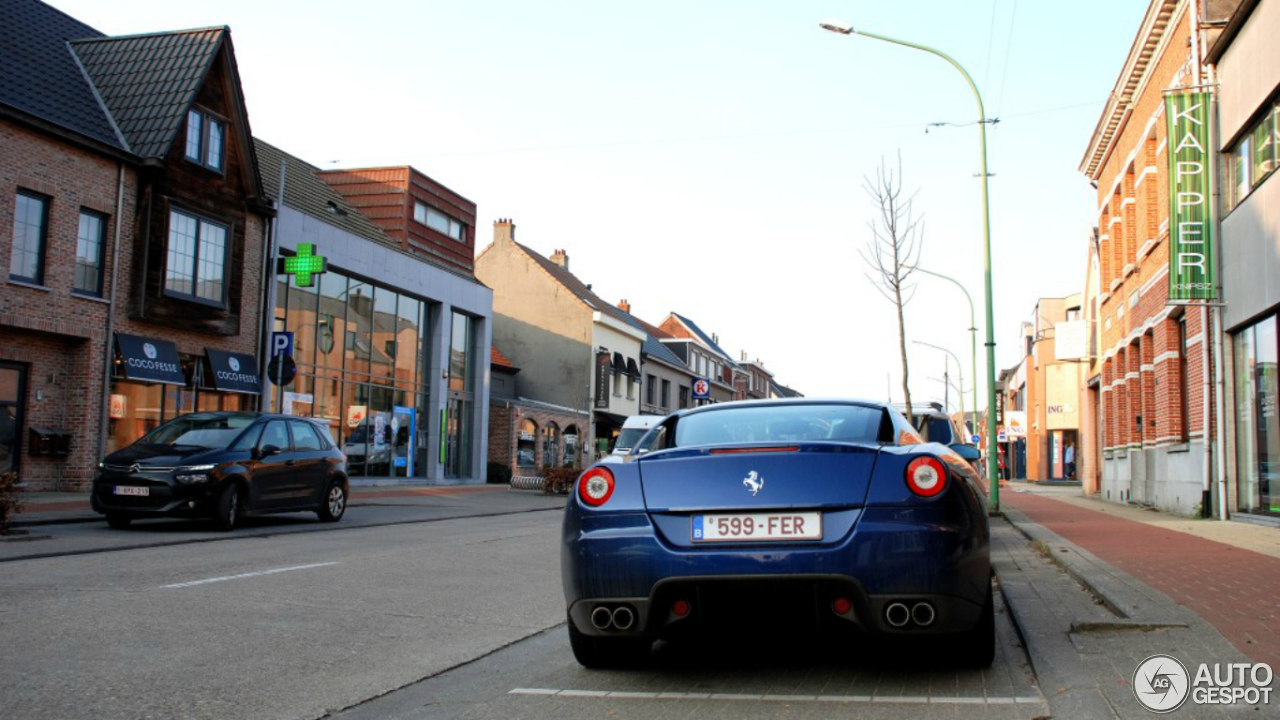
x: 907, y: 555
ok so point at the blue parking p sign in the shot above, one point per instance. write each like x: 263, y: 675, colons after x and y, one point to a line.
x: 281, y: 343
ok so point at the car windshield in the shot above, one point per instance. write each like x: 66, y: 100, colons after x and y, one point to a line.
x: 199, y: 430
x: 629, y: 437
x: 940, y: 430
x: 780, y: 423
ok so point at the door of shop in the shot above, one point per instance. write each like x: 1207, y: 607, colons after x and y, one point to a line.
x: 13, y: 383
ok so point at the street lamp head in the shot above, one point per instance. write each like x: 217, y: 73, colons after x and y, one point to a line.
x: 836, y: 26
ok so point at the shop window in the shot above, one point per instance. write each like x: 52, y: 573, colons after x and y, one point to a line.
x: 408, y: 314
x: 1257, y: 418
x: 331, y: 320
x: 382, y: 359
x: 551, y: 444
x: 359, y: 330
x: 571, y: 445
x: 526, y: 444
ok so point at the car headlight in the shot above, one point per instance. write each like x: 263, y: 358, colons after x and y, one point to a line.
x: 193, y: 473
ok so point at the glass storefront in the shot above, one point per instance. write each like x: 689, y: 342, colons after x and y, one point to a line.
x: 458, y: 417
x: 137, y: 407
x: 1257, y: 422
x: 363, y: 353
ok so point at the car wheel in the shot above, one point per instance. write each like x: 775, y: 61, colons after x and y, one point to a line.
x: 977, y: 647
x: 228, y: 510
x: 600, y: 653
x: 334, y: 503
x: 119, y: 521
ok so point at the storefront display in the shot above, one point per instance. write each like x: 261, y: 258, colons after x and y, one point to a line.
x: 153, y: 382
x: 1257, y: 420
x: 361, y: 350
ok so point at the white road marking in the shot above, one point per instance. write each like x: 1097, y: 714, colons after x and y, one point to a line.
x: 259, y: 573
x: 911, y: 699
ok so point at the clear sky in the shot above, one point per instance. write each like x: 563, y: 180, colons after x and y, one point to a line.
x: 707, y: 156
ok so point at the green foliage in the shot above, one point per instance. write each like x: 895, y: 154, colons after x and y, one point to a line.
x: 559, y: 480
x: 9, y: 500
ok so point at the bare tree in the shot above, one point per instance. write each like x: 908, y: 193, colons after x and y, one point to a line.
x: 893, y: 251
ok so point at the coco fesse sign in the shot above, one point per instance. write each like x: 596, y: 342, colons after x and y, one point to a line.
x: 1193, y: 274
x: 1163, y: 684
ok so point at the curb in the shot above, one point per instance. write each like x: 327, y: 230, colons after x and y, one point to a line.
x: 1136, y: 610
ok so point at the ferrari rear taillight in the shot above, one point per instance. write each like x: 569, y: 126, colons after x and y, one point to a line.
x: 926, y: 476
x: 595, y: 486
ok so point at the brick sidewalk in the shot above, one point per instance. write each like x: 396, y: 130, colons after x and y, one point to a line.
x: 1235, y: 590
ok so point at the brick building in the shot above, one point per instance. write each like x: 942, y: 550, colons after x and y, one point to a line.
x: 1155, y: 365
x: 425, y: 217
x: 132, y: 222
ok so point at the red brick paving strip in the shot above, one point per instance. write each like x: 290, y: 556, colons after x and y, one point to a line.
x: 1235, y: 590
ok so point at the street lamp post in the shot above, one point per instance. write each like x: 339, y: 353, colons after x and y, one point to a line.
x: 973, y: 340
x: 959, y: 370
x: 993, y: 481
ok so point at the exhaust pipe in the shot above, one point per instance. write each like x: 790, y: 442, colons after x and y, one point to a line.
x: 897, y: 614
x: 601, y: 617
x: 922, y: 613
x: 623, y: 618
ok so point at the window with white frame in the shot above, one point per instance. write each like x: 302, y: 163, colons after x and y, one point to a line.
x: 205, y: 139
x: 196, y: 262
x: 438, y: 221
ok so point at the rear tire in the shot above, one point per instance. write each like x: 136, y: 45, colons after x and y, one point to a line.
x: 119, y: 521
x: 229, y: 507
x: 334, y: 503
x: 977, y: 647
x: 602, y: 653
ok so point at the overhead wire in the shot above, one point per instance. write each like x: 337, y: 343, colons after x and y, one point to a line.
x: 1008, y: 47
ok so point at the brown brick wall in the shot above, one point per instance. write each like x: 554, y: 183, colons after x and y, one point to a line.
x: 58, y: 337
x: 1143, y: 357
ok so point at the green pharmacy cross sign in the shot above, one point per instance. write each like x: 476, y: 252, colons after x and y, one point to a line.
x: 303, y: 265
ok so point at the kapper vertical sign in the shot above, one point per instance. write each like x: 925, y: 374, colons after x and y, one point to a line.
x: 1193, y: 274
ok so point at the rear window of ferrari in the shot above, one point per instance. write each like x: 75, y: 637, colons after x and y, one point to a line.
x: 780, y: 424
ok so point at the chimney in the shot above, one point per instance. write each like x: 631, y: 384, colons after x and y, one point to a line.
x: 715, y: 338
x: 504, y: 231
x: 624, y: 306
x: 560, y: 258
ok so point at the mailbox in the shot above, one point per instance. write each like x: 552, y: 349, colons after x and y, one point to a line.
x: 49, y: 442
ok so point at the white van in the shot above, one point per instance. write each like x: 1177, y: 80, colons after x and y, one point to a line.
x: 633, y: 429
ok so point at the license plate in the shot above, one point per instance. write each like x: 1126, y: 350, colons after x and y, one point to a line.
x: 128, y: 490
x: 757, y: 527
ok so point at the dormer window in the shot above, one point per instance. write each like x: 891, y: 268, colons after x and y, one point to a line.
x: 205, y: 135
x: 437, y: 221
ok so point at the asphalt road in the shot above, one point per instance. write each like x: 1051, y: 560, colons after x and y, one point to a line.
x: 439, y: 608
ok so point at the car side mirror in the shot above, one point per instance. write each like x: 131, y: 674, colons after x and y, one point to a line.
x: 267, y: 451
x: 968, y: 452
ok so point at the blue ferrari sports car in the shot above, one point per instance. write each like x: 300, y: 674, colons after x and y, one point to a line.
x: 789, y: 516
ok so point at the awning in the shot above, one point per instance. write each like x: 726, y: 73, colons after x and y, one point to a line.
x: 612, y: 418
x: 632, y: 369
x: 234, y: 372
x: 619, y: 363
x: 149, y: 360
